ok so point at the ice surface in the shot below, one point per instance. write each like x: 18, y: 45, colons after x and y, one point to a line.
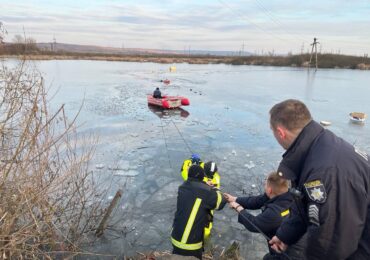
x: 141, y: 151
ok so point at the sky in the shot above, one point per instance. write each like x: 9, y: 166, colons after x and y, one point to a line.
x: 256, y: 26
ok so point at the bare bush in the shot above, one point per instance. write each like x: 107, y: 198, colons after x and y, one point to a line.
x: 3, y: 32
x: 48, y: 201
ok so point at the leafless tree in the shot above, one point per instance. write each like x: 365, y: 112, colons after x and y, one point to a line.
x: 48, y: 198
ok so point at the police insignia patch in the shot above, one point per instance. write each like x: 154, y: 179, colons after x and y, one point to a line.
x: 316, y: 191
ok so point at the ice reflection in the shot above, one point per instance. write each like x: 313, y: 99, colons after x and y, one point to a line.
x: 165, y: 113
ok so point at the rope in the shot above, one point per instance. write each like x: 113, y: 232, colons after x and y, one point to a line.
x: 165, y: 141
x: 262, y: 233
x: 182, y: 137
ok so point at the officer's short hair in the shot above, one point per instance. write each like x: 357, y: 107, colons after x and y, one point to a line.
x: 277, y: 183
x: 292, y: 114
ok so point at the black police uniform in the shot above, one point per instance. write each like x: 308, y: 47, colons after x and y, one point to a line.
x: 274, y: 212
x: 195, y: 200
x: 334, y: 179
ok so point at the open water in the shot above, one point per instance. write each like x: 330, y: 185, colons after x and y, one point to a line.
x: 141, y: 149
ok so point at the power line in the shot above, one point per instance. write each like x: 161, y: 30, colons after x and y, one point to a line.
x: 277, y: 22
x: 243, y: 16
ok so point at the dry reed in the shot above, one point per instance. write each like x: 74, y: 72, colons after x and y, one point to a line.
x: 48, y: 200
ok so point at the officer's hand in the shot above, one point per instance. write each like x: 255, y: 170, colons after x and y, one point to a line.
x: 229, y: 198
x: 277, y: 245
x: 236, y: 206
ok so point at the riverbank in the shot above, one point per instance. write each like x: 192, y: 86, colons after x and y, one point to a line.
x: 324, y: 60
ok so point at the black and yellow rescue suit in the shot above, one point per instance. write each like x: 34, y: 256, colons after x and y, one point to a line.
x: 214, y: 178
x: 195, y: 200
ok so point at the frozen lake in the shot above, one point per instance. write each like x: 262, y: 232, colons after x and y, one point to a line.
x: 227, y: 122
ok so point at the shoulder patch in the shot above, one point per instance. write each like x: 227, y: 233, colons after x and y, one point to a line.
x: 285, y: 213
x: 313, y: 215
x: 316, y: 191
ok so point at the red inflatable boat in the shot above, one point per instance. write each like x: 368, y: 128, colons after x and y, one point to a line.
x: 168, y: 101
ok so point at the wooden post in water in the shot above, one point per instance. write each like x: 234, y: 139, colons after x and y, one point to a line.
x: 103, y: 223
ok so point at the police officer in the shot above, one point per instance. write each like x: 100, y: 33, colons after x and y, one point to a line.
x: 275, y: 203
x: 195, y: 200
x: 333, y: 179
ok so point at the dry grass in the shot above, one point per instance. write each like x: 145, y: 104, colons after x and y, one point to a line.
x: 47, y: 197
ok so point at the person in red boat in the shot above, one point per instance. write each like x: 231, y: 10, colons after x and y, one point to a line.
x: 157, y: 93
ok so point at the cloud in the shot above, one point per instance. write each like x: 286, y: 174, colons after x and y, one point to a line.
x: 222, y: 24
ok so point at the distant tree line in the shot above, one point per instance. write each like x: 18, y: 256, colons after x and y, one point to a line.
x: 302, y: 60
x: 19, y: 45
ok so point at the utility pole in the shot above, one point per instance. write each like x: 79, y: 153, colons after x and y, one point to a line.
x: 242, y: 51
x: 302, y: 48
x: 314, y: 45
x: 54, y: 44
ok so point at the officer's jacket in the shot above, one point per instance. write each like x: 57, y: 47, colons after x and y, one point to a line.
x: 334, y: 178
x: 195, y: 200
x: 273, y: 212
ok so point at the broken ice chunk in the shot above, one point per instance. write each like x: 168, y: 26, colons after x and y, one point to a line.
x: 99, y: 166
x: 249, y: 165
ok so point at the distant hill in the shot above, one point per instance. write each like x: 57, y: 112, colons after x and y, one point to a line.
x: 110, y: 50
x: 61, y: 51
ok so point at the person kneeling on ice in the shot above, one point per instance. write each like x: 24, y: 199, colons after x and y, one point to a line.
x: 210, y: 170
x: 194, y: 159
x: 276, y: 204
x: 195, y: 200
